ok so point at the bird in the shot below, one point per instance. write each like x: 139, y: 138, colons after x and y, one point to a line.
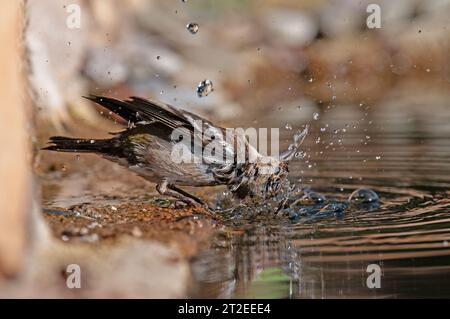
x: 156, y: 131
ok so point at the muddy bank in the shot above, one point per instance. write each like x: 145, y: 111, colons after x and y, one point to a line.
x: 127, y: 240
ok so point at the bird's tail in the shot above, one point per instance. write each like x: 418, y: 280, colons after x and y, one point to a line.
x: 68, y: 144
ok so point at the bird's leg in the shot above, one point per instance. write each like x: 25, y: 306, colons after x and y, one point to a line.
x: 165, y: 188
x: 186, y: 194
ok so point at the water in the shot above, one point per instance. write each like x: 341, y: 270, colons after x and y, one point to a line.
x: 192, y: 28
x: 204, y: 88
x: 406, y: 162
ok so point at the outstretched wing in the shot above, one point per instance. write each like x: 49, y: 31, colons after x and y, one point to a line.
x: 151, y: 113
x: 137, y: 110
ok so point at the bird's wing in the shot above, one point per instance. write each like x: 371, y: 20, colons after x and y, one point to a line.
x: 160, y: 119
x: 141, y: 111
x: 137, y: 110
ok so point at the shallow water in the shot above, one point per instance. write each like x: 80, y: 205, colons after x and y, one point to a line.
x: 402, y: 152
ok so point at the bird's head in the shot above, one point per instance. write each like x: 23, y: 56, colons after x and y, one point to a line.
x: 272, y: 172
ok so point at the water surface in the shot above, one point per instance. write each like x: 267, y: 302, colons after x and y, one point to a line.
x: 402, y: 152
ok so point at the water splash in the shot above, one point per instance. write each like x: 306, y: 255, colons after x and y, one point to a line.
x: 293, y: 148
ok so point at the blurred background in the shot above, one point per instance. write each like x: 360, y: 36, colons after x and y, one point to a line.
x: 260, y: 55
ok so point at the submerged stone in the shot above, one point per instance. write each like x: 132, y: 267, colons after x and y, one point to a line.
x: 334, y: 207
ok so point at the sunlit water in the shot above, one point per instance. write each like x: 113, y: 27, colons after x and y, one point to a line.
x: 402, y: 153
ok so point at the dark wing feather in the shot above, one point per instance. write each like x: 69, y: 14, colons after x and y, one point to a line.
x: 148, y: 113
x: 158, y: 111
x: 138, y: 110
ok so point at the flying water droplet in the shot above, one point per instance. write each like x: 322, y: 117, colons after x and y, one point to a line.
x: 204, y: 88
x: 288, y: 126
x: 316, y: 116
x: 192, y: 27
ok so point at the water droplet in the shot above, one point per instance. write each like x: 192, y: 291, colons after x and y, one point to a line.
x: 316, y: 116
x: 92, y: 141
x: 204, y: 88
x: 288, y: 126
x: 377, y: 157
x: 314, y: 198
x: 192, y: 27
x: 300, y: 154
x: 363, y: 196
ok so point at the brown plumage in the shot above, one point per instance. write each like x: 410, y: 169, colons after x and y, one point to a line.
x: 147, y: 148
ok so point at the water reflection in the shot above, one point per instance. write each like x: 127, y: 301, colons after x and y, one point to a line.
x: 401, y: 153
